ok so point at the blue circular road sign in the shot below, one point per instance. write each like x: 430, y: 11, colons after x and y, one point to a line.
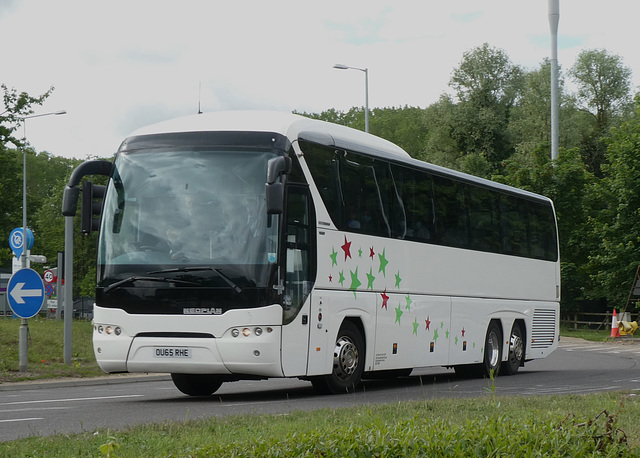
x: 25, y: 292
x: 16, y: 241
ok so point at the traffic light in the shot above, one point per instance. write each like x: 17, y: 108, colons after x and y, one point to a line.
x: 92, y: 197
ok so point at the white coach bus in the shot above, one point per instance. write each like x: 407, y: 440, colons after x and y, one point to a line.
x: 248, y: 245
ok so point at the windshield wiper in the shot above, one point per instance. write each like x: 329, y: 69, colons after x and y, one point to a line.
x: 134, y: 279
x: 226, y: 279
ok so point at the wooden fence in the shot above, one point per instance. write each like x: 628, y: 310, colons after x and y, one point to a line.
x: 597, y: 321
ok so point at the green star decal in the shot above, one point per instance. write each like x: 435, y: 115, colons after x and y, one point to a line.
x: 383, y: 262
x: 409, y: 302
x: 442, y: 324
x: 398, y: 314
x: 334, y: 258
x: 355, y: 283
x: 415, y: 326
x: 456, y: 341
x: 398, y: 280
x: 341, y: 281
x: 435, y: 335
x: 446, y: 334
x: 370, y: 279
x: 359, y: 252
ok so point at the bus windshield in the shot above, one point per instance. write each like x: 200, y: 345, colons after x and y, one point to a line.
x: 179, y: 209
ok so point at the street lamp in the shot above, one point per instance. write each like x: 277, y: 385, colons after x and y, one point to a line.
x: 24, y: 181
x: 366, y: 91
x: 23, y: 344
x: 554, y: 18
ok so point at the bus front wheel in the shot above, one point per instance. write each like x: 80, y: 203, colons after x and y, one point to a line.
x: 196, y: 384
x: 348, y: 363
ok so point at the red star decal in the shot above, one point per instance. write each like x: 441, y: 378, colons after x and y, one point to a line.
x: 428, y: 322
x: 371, y: 252
x: 463, y: 331
x: 330, y: 278
x: 346, y: 248
x: 385, y: 298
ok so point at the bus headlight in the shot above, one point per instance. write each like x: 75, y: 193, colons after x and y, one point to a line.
x: 235, y: 332
x: 246, y: 332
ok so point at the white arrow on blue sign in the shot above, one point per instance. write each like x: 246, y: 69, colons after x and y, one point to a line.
x: 26, y: 293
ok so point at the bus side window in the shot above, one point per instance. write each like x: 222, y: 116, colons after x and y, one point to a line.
x: 451, y: 212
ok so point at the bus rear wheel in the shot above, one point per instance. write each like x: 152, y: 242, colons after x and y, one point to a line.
x: 348, y: 363
x: 516, y: 351
x: 197, y: 384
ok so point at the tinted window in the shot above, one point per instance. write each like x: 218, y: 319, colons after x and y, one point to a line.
x: 370, y: 196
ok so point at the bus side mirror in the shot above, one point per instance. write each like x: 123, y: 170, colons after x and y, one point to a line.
x: 276, y: 167
x: 275, y: 198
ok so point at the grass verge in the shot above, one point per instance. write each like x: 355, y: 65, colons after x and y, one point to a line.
x: 46, y: 350
x: 595, y: 425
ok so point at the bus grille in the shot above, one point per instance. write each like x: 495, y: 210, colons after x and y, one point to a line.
x: 543, y: 333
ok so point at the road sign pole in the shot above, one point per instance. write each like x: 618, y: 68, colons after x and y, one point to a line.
x: 23, y: 337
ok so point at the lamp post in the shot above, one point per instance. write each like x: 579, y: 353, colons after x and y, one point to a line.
x: 23, y: 258
x: 366, y: 91
x: 554, y: 18
x: 23, y: 344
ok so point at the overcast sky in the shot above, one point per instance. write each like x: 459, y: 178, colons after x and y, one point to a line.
x: 119, y: 65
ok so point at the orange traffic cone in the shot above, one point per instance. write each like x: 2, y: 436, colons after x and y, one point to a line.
x: 615, y: 331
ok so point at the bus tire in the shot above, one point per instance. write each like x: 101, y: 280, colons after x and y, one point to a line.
x: 348, y: 363
x: 197, y: 384
x: 492, y: 351
x: 516, y: 351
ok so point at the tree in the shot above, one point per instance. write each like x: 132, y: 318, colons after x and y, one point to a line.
x: 617, y: 224
x: 10, y: 200
x: 604, y: 86
x: 487, y: 85
x: 16, y: 107
x: 486, y: 77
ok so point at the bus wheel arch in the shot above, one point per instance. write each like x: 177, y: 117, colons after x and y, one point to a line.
x: 348, y: 360
x: 516, y: 350
x: 197, y: 384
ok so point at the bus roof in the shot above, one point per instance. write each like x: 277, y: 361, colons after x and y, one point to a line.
x: 297, y: 127
x: 288, y: 124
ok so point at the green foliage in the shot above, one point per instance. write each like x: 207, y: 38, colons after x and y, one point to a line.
x: 16, y: 107
x: 617, y: 225
x: 604, y: 88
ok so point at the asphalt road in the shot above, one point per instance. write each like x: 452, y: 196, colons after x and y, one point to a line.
x: 32, y: 409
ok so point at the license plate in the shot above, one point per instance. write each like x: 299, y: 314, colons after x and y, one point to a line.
x: 171, y: 352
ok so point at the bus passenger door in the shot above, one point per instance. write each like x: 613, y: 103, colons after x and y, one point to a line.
x: 299, y: 270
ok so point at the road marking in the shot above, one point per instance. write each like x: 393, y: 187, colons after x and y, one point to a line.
x: 20, y: 419
x: 34, y: 408
x: 96, y: 398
